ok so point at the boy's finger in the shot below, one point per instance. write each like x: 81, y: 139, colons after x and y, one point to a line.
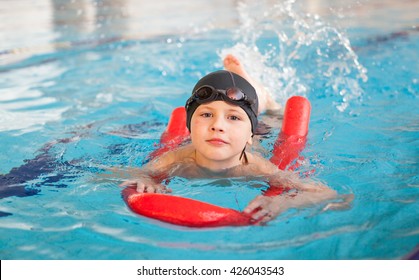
x: 261, y: 213
x: 151, y: 189
x: 265, y: 220
x: 161, y: 189
x: 127, y: 183
x: 263, y: 216
x: 141, y: 187
x: 253, y: 205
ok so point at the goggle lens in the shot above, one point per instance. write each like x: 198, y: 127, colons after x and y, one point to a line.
x: 235, y: 94
x: 204, y: 93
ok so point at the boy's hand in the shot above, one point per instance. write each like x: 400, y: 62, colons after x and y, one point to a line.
x: 146, y: 187
x: 264, y: 208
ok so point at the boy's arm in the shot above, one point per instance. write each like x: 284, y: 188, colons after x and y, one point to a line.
x: 149, y: 177
x: 300, y: 193
x: 265, y: 208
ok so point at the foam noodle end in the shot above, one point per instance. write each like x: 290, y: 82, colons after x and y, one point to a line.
x: 176, y: 132
x: 296, y: 116
x: 176, y: 127
x: 292, y: 138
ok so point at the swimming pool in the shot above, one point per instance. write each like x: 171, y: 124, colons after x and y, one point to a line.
x: 88, y: 85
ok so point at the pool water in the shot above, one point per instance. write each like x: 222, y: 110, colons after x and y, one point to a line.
x: 91, y: 86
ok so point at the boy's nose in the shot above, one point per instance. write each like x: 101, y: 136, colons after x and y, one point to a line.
x: 218, y: 125
x: 217, y: 129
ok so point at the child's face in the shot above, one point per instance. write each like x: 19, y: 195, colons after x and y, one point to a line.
x: 219, y: 133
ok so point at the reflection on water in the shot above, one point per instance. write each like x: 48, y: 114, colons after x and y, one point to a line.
x: 49, y: 21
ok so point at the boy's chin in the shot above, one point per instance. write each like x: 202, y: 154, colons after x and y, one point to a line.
x: 222, y: 160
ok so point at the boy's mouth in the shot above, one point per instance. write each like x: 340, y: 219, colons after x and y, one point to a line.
x: 216, y: 141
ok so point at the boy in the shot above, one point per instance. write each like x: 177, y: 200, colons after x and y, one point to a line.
x: 222, y: 119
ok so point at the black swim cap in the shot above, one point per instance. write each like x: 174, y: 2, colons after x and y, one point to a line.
x: 222, y: 80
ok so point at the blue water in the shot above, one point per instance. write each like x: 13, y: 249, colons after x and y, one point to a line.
x: 70, y: 111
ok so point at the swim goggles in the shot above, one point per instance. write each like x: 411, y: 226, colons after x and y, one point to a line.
x: 207, y: 94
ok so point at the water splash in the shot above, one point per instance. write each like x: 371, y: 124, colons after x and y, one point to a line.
x: 296, y: 53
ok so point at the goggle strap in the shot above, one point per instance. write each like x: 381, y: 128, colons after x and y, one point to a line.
x: 232, y: 79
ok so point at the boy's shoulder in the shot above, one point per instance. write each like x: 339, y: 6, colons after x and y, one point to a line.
x: 184, y: 152
x: 261, y: 164
x: 177, y: 155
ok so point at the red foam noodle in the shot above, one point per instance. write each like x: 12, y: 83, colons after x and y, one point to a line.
x: 292, y: 138
x: 175, y: 133
x: 183, y: 211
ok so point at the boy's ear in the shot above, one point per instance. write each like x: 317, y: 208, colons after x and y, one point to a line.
x: 250, y: 141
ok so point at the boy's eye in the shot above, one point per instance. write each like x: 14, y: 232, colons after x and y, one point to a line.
x: 206, y: 115
x: 234, y: 118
